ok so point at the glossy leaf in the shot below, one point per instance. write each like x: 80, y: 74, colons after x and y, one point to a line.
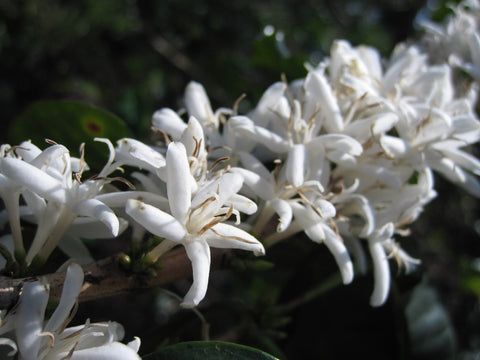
x: 69, y: 123
x: 212, y: 350
x: 431, y: 332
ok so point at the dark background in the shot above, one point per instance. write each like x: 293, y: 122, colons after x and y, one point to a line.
x: 133, y: 57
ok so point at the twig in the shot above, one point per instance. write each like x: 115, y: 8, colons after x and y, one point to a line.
x: 106, y: 278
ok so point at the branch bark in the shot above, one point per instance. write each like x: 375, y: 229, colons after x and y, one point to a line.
x: 106, y: 278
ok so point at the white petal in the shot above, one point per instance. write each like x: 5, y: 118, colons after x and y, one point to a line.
x: 169, y: 121
x: 198, y: 104
x: 98, y: 210
x: 230, y: 237
x: 284, y: 212
x: 90, y: 228
x: 28, y: 151
x: 335, y: 244
x: 178, y: 181
x: 244, y: 126
x: 75, y: 249
x: 71, y: 288
x: 11, y: 343
x: 381, y: 273
x: 193, y: 139
x: 295, y: 165
x: 34, y: 179
x: 260, y: 187
x: 393, y: 146
x: 111, y: 351
x: 135, y: 153
x: 156, y: 221
x: 29, y: 318
x: 268, y: 103
x: 135, y: 344
x: 251, y: 163
x: 49, y: 156
x: 119, y: 199
x: 318, y: 88
x: 242, y: 204
x: 199, y: 254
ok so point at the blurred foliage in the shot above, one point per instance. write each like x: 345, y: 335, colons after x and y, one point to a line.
x: 133, y: 57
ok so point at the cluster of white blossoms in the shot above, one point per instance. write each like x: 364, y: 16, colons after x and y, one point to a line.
x: 37, y: 339
x: 345, y: 155
x: 457, y: 40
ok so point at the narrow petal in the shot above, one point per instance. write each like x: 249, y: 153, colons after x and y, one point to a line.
x: 98, y: 210
x: 295, y: 165
x: 199, y: 254
x: 230, y: 237
x: 135, y: 344
x: 198, y: 104
x: 244, y: 126
x: 335, y: 244
x: 119, y: 199
x: 135, y: 153
x: 242, y: 204
x: 251, y: 163
x: 256, y: 183
x: 318, y: 88
x: 193, y: 139
x: 90, y: 228
x: 29, y: 318
x: 71, y: 288
x: 169, y: 121
x: 178, y: 181
x: 34, y: 179
x: 75, y: 249
x: 284, y: 212
x: 49, y: 156
x: 268, y: 102
x: 28, y: 151
x: 381, y: 273
x: 156, y: 221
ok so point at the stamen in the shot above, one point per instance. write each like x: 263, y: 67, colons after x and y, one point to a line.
x: 218, y: 161
x: 50, y: 142
x: 15, y: 147
x: 164, y: 134
x: 51, y: 343
x: 237, y: 103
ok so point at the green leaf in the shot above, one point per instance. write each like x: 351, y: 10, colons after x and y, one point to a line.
x: 212, y: 350
x: 69, y: 123
x: 431, y: 333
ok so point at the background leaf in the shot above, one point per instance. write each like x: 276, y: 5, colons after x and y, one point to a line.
x: 212, y: 350
x: 69, y: 123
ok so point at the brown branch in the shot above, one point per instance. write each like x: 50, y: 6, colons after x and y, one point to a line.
x: 106, y: 278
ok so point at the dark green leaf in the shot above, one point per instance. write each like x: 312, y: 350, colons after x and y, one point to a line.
x: 212, y: 350
x: 431, y: 333
x: 69, y: 123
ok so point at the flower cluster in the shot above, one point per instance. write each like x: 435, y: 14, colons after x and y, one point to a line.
x: 457, y: 41
x: 52, y: 340
x: 64, y: 208
x: 345, y: 155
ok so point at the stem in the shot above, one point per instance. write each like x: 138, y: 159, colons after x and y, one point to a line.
x: 275, y: 237
x: 262, y: 220
x: 106, y: 278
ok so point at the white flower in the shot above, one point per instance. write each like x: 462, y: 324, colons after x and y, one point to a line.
x: 51, y: 340
x: 195, y: 222
x: 297, y: 201
x: 457, y: 40
x: 56, y: 197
